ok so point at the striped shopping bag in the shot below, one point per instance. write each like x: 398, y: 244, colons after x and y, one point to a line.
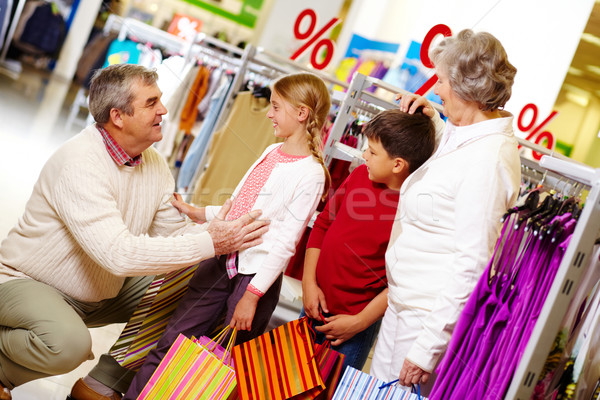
x: 278, y: 365
x: 150, y: 318
x: 357, y: 385
x: 330, y: 364
x: 192, y: 370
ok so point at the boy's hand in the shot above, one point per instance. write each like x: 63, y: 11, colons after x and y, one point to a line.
x: 244, y: 312
x: 313, y: 299
x: 340, y: 328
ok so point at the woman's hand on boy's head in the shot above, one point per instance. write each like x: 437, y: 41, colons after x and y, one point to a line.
x: 411, y: 102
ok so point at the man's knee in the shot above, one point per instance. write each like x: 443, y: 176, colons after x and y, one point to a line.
x: 64, y: 350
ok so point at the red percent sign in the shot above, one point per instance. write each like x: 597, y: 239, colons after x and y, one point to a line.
x: 439, y: 29
x: 533, y: 130
x: 327, y: 43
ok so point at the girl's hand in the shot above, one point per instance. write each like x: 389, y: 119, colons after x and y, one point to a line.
x: 411, y: 373
x: 340, y: 328
x: 244, y: 312
x: 313, y: 300
x: 411, y: 102
x: 196, y: 214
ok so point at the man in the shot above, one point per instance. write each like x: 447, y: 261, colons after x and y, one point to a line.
x: 98, y: 225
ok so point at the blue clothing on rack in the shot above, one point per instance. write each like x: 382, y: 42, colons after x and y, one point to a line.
x: 122, y: 52
x: 196, y: 151
x: 5, y: 7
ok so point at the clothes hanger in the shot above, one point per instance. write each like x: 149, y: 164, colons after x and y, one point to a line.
x: 531, y: 202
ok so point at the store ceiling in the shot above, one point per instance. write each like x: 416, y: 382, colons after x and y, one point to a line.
x: 584, y: 72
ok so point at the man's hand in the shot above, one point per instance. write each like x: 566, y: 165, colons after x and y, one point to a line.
x: 314, y: 300
x: 340, y: 328
x: 240, y: 234
x: 411, y: 373
x: 244, y: 312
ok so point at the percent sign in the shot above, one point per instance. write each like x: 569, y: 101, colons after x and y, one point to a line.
x: 533, y: 130
x: 439, y: 29
x: 327, y: 43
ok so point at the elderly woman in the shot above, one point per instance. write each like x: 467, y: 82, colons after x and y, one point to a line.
x: 449, y: 212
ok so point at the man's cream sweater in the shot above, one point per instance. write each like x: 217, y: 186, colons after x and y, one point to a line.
x: 90, y: 223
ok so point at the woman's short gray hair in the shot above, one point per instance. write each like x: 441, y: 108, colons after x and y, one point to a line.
x: 477, y: 67
x: 111, y: 87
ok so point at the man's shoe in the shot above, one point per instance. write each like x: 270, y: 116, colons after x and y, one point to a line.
x: 4, y: 393
x: 81, y: 391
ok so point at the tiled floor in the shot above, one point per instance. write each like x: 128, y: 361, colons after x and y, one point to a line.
x: 22, y: 155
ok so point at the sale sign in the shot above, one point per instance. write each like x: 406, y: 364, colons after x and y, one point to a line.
x: 185, y: 27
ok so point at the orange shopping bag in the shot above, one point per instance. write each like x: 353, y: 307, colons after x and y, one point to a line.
x: 278, y: 365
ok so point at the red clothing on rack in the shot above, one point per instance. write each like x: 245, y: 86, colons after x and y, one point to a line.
x: 352, y: 232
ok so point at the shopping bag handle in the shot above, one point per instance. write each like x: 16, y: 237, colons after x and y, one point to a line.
x: 230, y: 345
x: 220, y: 338
x: 414, y: 388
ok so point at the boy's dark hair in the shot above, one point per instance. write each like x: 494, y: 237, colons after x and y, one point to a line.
x: 408, y: 136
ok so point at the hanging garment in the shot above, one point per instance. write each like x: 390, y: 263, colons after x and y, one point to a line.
x: 234, y: 148
x: 5, y: 7
x: 44, y: 31
x: 492, y: 332
x: 195, y: 95
x: 122, y: 52
x: 573, y: 364
x: 149, y: 57
x: 193, y: 157
x: 93, y: 57
x: 175, y: 78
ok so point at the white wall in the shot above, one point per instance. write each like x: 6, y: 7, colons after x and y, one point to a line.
x: 540, y: 37
x: 278, y: 32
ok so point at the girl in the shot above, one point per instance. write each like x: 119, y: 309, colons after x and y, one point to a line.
x: 286, y: 183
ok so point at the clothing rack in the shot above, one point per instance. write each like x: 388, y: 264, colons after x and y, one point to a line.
x: 357, y: 98
x: 572, y: 266
x: 554, y: 169
x: 255, y: 60
x: 11, y: 68
x: 142, y: 32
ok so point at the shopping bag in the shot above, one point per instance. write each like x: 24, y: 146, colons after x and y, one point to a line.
x: 150, y: 318
x: 278, y: 365
x: 330, y: 365
x: 357, y: 385
x: 191, y: 370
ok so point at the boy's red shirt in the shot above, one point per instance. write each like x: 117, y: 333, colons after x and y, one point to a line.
x: 352, y: 232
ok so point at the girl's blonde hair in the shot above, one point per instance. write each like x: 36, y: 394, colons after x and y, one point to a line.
x: 308, y: 90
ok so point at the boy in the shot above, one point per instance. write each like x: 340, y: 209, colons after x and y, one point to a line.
x: 344, y: 267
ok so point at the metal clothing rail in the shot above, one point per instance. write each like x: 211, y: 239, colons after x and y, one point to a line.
x: 129, y: 27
